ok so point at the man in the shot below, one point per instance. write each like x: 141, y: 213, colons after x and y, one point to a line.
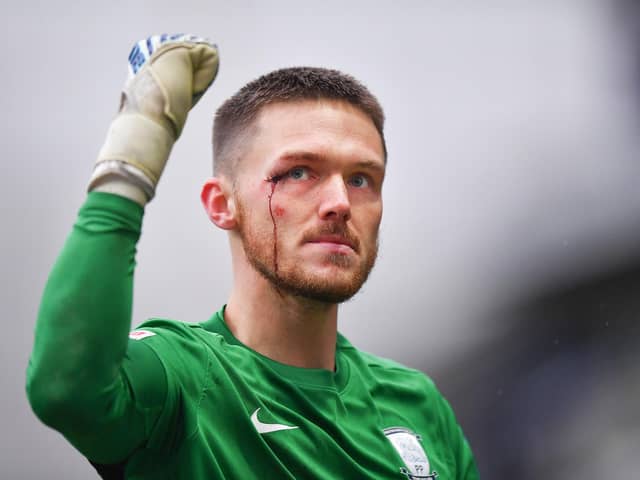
x: 266, y: 388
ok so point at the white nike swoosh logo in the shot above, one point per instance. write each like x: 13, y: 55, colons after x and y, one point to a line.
x: 267, y: 427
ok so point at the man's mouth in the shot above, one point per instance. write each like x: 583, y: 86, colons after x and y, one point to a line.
x: 337, y: 243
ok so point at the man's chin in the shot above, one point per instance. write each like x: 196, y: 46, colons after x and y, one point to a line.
x: 320, y: 294
x: 331, y: 284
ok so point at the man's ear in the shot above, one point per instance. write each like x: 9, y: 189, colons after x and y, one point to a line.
x: 217, y: 202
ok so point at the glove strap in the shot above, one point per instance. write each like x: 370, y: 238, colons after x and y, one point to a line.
x: 108, y: 169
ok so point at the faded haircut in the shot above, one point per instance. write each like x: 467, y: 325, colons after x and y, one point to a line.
x: 234, y: 120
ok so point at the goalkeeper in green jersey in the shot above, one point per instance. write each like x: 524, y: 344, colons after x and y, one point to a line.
x: 266, y: 388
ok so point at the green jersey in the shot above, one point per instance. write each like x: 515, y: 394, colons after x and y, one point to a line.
x: 190, y: 401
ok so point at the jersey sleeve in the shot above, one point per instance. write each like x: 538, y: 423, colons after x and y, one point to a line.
x: 107, y: 395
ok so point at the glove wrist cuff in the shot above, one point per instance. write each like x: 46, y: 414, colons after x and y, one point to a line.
x: 109, y: 170
x: 136, y: 149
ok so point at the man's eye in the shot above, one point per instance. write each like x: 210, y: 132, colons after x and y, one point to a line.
x: 359, y: 181
x: 298, y: 173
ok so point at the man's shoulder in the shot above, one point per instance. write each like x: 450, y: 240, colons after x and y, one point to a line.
x: 179, y: 349
x: 168, y: 330
x: 172, y: 339
x: 154, y: 326
x: 387, y: 370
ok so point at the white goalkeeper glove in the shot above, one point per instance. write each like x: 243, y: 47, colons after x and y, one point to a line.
x: 167, y: 76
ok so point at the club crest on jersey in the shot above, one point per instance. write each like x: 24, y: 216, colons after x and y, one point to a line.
x: 408, y: 446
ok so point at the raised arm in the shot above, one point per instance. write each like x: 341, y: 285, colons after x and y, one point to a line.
x: 82, y: 377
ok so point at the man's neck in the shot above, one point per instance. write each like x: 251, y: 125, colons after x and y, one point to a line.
x: 285, y: 328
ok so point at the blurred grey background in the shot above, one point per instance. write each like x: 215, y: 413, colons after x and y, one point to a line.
x: 509, y: 267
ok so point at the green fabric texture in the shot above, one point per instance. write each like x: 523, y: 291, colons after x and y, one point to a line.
x: 75, y: 379
x: 190, y: 401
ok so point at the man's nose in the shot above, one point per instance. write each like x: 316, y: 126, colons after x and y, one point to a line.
x: 335, y: 202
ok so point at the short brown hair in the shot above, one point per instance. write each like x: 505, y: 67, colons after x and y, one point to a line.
x: 234, y: 118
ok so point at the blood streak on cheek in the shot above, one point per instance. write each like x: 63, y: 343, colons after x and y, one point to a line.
x: 279, y: 211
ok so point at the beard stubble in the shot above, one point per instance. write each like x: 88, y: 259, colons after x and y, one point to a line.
x: 287, y: 276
